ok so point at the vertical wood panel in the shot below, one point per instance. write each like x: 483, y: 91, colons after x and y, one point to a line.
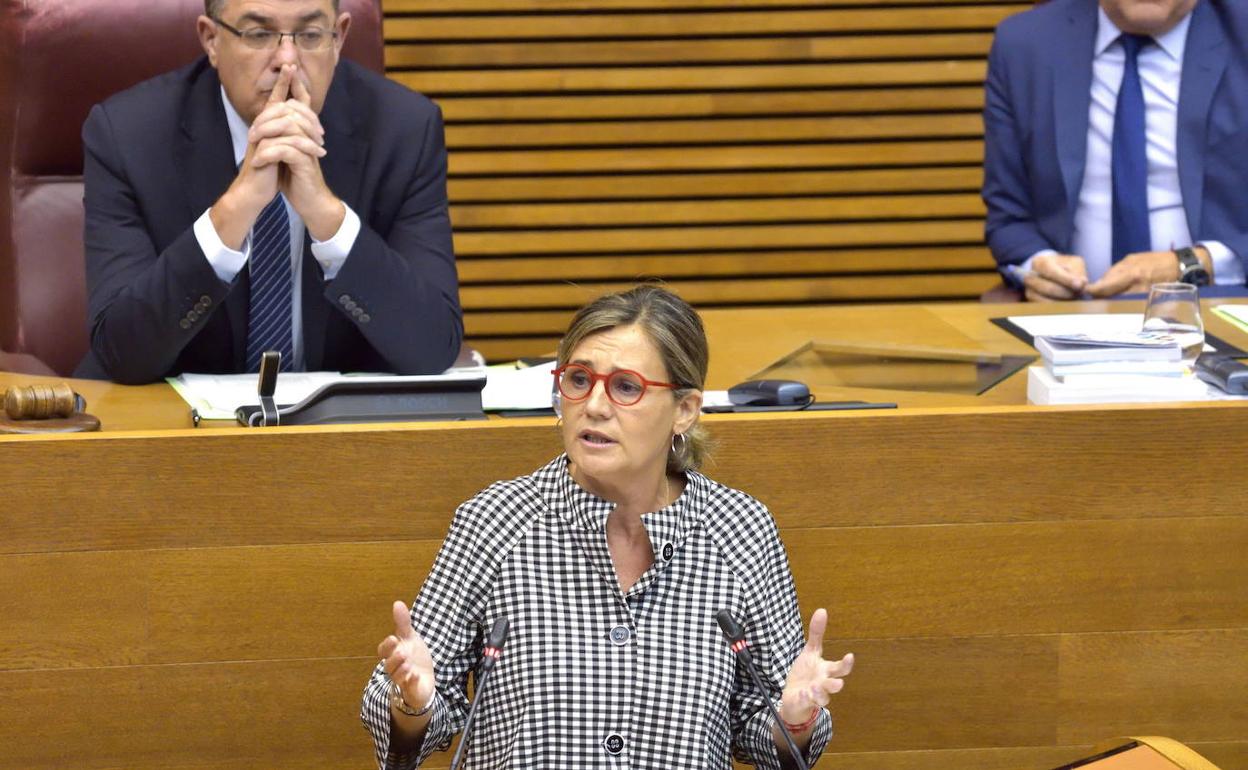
x: 1188, y: 685
x: 73, y: 611
x: 1042, y: 578
x: 941, y: 693
x: 293, y: 714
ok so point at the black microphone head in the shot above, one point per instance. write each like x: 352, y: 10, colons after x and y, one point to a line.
x: 498, y: 633
x: 729, y: 625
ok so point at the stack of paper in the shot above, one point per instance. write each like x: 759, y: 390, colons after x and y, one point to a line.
x: 1115, y: 367
x: 1044, y: 388
x: 1153, y: 353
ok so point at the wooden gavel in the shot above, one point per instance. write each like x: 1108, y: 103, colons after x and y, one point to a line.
x: 42, y: 402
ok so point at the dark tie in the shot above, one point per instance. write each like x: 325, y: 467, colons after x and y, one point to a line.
x: 1130, y: 159
x: 269, y: 320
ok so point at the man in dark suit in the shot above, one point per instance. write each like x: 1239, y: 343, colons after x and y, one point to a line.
x: 1081, y: 201
x: 268, y: 197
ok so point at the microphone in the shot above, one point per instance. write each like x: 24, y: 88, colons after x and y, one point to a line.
x: 735, y: 635
x: 493, y: 651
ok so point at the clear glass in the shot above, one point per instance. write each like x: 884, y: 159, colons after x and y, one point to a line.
x: 1175, y: 308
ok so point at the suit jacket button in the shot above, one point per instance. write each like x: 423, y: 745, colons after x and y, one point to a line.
x: 206, y: 301
x: 620, y: 635
x: 365, y: 318
x: 614, y: 744
x: 344, y: 299
x: 185, y: 324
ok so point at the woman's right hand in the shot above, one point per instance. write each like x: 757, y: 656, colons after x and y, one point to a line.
x: 407, y: 661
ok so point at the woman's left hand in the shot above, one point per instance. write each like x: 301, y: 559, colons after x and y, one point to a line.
x: 812, y: 680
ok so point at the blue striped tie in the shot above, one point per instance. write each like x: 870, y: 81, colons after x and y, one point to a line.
x: 269, y: 319
x: 1130, y: 158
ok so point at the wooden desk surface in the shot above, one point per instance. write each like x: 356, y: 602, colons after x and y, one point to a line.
x: 743, y: 342
x: 1018, y: 582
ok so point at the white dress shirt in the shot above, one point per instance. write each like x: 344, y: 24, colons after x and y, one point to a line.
x: 227, y: 262
x: 1161, y: 72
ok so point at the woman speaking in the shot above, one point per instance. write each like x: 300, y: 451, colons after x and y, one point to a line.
x: 610, y: 563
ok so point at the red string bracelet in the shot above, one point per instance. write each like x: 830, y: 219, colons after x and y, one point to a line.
x: 804, y: 726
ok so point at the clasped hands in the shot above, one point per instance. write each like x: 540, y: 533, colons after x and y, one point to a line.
x: 1065, y: 276
x: 284, y: 146
x: 811, y: 681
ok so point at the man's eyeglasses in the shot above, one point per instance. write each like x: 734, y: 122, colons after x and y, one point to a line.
x: 261, y: 39
x: 624, y: 387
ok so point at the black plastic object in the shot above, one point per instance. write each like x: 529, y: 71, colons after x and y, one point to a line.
x: 1225, y: 373
x: 811, y: 406
x: 490, y: 655
x: 769, y: 393
x: 270, y: 365
x: 735, y: 635
x: 398, y: 399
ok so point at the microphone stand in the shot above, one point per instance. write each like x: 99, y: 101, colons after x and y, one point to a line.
x: 735, y: 635
x: 493, y: 650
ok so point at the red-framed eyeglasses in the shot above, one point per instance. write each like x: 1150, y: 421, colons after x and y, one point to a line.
x: 624, y: 386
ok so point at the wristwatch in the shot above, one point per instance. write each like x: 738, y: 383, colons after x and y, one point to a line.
x: 1190, y: 269
x: 396, y: 700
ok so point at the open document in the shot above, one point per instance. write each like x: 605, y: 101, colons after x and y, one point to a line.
x: 1236, y: 314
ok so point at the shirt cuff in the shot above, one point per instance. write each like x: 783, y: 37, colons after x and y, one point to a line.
x: 1227, y: 269
x: 759, y: 741
x: 333, y: 253
x: 225, y: 262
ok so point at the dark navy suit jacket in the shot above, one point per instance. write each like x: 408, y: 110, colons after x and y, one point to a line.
x: 1036, y: 126
x: 159, y: 154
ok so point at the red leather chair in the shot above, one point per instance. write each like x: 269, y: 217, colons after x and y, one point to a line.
x: 57, y: 59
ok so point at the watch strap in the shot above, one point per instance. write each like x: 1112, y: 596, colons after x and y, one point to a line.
x: 397, y: 700
x: 1190, y: 268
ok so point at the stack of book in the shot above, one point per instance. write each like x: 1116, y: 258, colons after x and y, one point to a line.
x: 1081, y: 369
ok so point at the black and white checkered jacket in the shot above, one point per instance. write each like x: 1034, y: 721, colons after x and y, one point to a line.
x: 591, y: 677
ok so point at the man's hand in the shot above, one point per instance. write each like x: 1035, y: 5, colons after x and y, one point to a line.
x: 1136, y: 273
x: 290, y: 134
x: 1056, y: 277
x: 236, y: 210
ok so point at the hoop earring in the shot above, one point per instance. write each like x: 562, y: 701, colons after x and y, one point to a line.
x: 684, y: 443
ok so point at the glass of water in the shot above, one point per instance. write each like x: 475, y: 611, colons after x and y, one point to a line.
x: 1174, y: 308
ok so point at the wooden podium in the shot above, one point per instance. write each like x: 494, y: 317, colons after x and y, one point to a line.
x: 1150, y: 753
x: 1017, y: 582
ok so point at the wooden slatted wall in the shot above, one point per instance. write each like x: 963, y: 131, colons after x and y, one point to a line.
x: 760, y: 152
